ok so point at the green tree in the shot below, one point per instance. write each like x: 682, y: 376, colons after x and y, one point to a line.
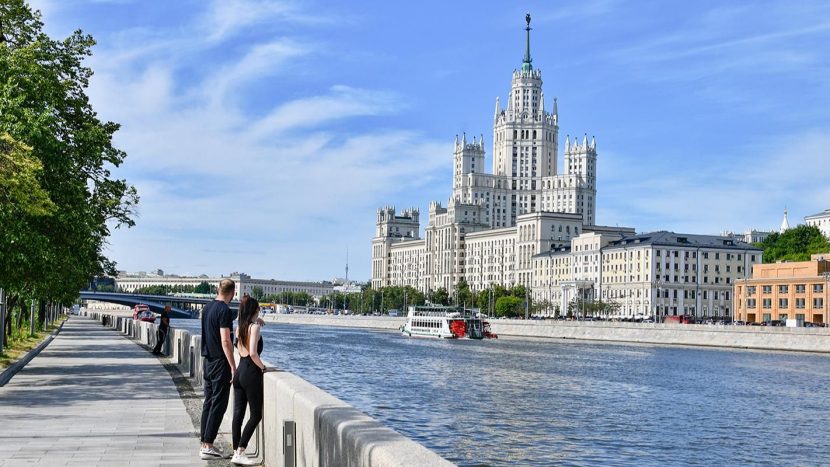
x: 509, y: 306
x: 51, y: 133
x: 463, y: 295
x: 256, y: 293
x: 203, y: 287
x: 440, y: 296
x: 19, y: 185
x: 796, y: 244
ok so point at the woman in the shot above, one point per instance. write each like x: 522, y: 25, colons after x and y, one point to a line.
x: 247, y: 382
x: 164, y: 327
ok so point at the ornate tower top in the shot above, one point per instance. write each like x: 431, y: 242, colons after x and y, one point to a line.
x: 526, y: 66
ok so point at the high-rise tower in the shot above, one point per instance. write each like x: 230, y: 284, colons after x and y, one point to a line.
x: 525, y: 138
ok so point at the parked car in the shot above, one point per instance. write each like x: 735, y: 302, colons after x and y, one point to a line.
x: 147, y: 316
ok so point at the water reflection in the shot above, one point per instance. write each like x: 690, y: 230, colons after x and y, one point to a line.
x: 537, y: 402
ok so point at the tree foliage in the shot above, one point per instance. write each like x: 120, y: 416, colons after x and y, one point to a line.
x: 206, y: 288
x: 509, y: 306
x: 796, y: 244
x: 58, y: 200
x: 19, y: 186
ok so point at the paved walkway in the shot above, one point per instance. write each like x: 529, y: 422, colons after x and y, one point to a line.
x: 93, y: 397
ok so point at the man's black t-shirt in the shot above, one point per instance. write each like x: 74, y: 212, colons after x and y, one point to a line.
x: 215, y: 315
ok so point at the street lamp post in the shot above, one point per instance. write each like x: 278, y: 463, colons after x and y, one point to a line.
x: 826, y: 275
x: 2, y: 318
x: 550, y: 277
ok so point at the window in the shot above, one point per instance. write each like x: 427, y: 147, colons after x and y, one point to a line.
x: 750, y: 290
x: 783, y: 289
x: 799, y: 303
x: 783, y: 303
x: 818, y: 288
x: 800, y: 288
x: 767, y: 303
x: 782, y: 316
x: 750, y: 303
x: 767, y: 289
x: 818, y: 303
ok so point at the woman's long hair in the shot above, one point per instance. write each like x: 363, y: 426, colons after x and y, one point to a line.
x: 248, y: 307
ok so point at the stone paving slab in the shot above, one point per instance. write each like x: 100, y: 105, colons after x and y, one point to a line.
x: 93, y: 397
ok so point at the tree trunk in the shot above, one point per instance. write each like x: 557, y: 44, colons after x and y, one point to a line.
x: 12, y: 301
x: 41, y: 313
x: 23, y: 311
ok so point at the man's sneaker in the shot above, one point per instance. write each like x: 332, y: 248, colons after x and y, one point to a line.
x: 242, y: 459
x: 211, y: 453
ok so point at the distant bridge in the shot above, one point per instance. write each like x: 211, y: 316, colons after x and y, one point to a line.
x: 155, y: 302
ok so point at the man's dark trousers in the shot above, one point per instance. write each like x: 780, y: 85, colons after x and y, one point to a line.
x: 217, y: 375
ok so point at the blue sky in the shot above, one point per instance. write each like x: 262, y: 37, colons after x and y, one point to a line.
x: 263, y: 135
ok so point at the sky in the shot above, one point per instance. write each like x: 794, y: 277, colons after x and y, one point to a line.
x: 263, y: 136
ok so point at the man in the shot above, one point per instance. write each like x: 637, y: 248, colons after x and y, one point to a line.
x: 219, y: 366
x: 164, y: 328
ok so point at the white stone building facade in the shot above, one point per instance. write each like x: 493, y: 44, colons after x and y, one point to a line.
x: 820, y: 220
x: 494, y: 223
x: 651, y: 275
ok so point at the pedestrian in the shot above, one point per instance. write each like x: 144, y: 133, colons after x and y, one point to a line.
x: 248, y: 380
x: 164, y: 327
x: 219, y: 366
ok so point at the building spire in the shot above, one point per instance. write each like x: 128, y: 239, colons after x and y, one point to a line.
x: 526, y: 66
x: 785, y: 224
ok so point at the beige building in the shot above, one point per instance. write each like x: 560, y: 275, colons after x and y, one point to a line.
x: 650, y: 275
x: 786, y: 290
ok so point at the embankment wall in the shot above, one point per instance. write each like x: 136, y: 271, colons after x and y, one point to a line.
x: 744, y: 337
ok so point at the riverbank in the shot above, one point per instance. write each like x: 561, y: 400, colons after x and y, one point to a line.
x: 741, y: 337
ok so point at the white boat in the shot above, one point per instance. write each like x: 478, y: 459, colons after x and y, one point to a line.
x: 444, y: 322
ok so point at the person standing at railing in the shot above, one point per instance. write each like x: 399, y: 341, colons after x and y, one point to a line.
x: 164, y: 327
x: 248, y: 381
x: 219, y: 366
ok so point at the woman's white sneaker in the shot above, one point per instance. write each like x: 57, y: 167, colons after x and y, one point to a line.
x: 211, y: 453
x: 242, y: 459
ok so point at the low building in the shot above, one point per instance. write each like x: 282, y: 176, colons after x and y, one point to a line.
x: 785, y: 290
x: 820, y: 220
x: 749, y: 235
x: 245, y: 284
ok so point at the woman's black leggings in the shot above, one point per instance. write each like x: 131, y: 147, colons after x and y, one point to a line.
x: 247, y: 390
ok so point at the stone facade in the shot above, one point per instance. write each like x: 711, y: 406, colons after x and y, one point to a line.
x: 494, y: 223
x: 650, y: 275
x: 820, y: 220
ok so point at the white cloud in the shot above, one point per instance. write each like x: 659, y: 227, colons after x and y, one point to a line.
x: 261, y: 61
x: 340, y: 103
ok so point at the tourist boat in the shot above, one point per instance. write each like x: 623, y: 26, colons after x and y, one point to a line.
x: 445, y: 322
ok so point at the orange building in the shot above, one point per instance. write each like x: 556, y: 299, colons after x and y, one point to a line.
x: 785, y: 290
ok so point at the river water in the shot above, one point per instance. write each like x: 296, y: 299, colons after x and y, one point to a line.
x: 543, y: 402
